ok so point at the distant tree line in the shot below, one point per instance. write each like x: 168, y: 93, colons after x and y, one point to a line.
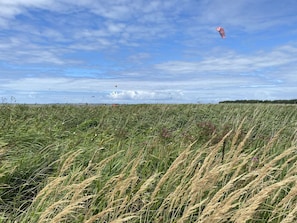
x: 293, y: 101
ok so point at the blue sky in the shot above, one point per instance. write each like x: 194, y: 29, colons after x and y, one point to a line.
x: 137, y: 51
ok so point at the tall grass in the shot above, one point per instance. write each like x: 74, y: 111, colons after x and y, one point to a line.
x: 148, y: 163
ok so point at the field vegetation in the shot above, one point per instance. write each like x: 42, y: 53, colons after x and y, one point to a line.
x: 148, y: 163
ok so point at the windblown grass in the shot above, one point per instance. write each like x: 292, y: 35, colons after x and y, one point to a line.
x: 148, y: 163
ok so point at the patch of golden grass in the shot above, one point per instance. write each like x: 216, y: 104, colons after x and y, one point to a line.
x: 291, y: 216
x: 68, y: 160
x: 241, y: 195
x: 71, y: 208
x: 251, y: 205
x: 68, y: 194
x: 124, y: 219
x: 172, y: 169
x: 99, y: 215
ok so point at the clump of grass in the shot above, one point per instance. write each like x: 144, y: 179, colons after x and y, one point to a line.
x: 148, y: 163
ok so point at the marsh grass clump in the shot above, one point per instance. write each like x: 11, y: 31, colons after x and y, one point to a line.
x: 148, y: 163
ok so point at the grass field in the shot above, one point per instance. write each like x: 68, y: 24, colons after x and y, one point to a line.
x: 148, y: 163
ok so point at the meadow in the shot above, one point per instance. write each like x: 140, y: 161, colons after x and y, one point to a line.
x: 148, y: 163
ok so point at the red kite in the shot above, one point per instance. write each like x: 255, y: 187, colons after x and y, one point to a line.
x: 221, y: 31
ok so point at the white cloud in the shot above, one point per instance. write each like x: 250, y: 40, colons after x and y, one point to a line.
x: 140, y: 95
x: 9, y: 9
x: 75, y: 28
x: 234, y: 63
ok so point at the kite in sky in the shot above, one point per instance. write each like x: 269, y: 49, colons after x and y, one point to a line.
x: 221, y: 31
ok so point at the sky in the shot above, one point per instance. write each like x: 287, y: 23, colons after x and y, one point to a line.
x: 138, y: 51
